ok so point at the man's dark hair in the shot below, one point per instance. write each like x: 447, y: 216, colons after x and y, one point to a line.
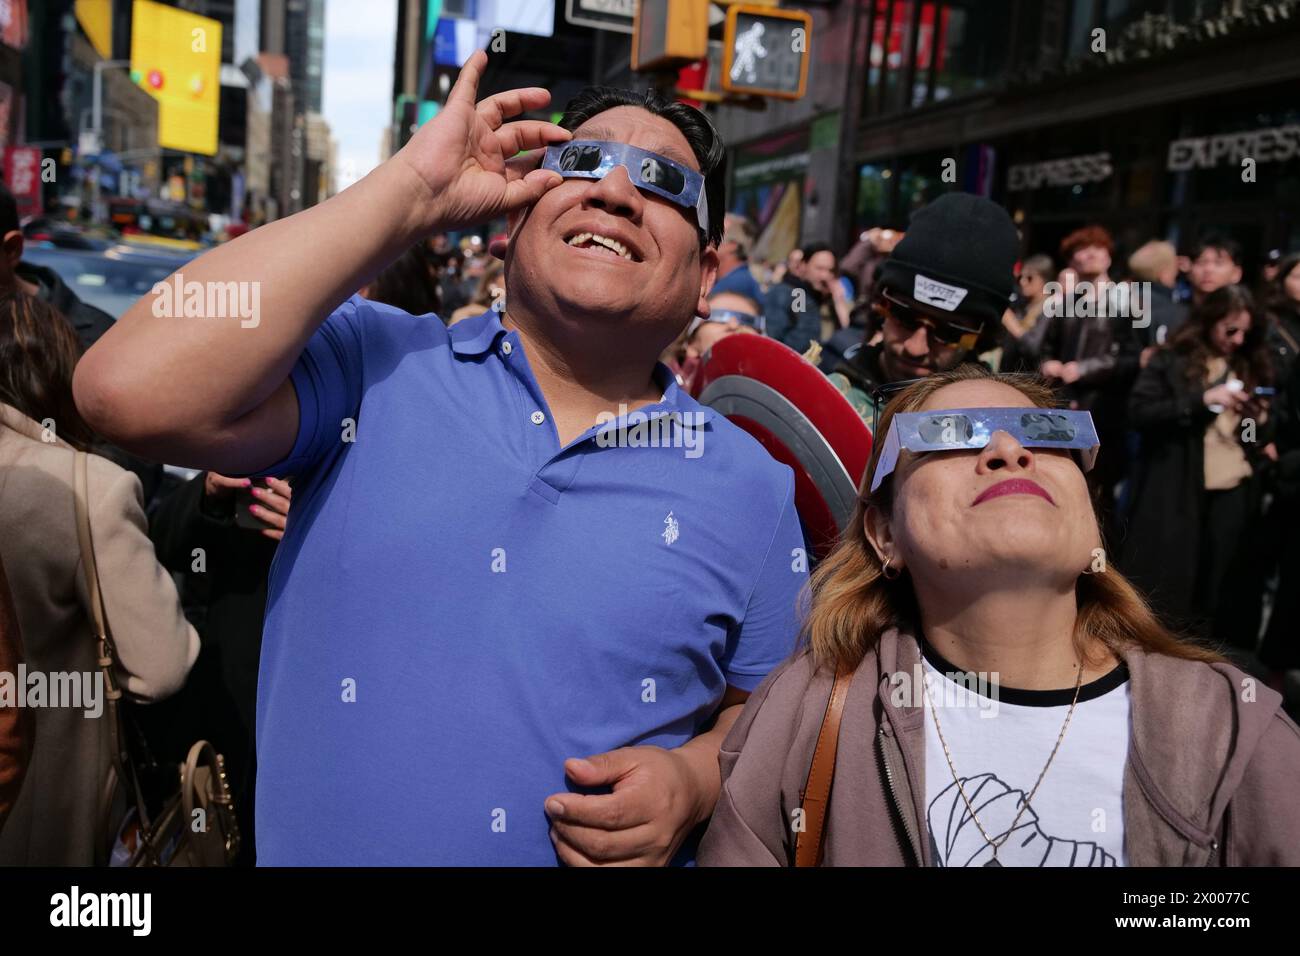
x: 703, y: 139
x: 1220, y: 242
x: 8, y: 210
x: 813, y: 248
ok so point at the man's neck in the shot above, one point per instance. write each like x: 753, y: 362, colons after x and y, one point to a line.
x: 727, y: 264
x: 1024, y: 635
x: 582, y: 379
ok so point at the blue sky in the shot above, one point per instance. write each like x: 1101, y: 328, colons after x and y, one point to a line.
x: 358, y: 92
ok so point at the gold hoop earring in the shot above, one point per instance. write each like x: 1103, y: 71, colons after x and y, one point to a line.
x: 885, y: 569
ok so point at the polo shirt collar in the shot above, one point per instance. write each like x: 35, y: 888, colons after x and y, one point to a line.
x: 478, y: 334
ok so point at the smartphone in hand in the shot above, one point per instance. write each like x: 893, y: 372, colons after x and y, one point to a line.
x: 244, y: 498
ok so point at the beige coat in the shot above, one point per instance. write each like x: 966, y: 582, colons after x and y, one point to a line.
x: 1211, y: 777
x: 53, y: 820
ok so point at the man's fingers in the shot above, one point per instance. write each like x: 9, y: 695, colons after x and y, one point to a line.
x: 466, y: 88
x: 529, y: 134
x: 499, y: 107
x: 605, y: 811
x: 603, y: 768
x: 523, y: 192
x: 520, y: 166
x: 595, y: 847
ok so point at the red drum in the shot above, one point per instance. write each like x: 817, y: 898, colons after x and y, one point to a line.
x: 802, y: 420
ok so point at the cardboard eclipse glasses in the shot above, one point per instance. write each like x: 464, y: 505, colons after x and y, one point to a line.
x: 970, y: 429
x: 649, y: 172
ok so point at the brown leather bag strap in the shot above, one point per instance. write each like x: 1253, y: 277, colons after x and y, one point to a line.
x: 105, y: 657
x: 817, y: 791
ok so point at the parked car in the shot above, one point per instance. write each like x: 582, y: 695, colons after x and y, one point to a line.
x: 111, y: 279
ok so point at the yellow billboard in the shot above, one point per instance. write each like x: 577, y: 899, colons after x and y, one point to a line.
x: 176, y: 59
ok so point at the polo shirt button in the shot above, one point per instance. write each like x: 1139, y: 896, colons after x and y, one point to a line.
x: 506, y: 348
x: 538, y: 418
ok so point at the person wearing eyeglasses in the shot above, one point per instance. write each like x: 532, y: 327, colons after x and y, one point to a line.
x: 939, y: 300
x: 526, y: 580
x: 975, y: 688
x: 729, y: 313
x: 1202, y: 407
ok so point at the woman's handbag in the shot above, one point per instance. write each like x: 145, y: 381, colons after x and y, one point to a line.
x: 196, y: 825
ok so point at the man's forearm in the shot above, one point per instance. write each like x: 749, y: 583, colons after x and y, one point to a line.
x: 154, y: 375
x: 702, y: 755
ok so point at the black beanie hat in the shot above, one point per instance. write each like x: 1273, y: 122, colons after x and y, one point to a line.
x: 958, y: 255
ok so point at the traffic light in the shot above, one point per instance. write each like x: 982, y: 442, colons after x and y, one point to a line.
x: 765, y: 51
x: 667, y: 34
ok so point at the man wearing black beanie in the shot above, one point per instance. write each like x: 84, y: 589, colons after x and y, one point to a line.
x: 940, y: 299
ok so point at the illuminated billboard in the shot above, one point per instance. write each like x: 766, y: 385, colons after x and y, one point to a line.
x: 176, y: 59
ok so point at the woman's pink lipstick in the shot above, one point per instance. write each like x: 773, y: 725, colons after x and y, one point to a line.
x: 1014, y: 486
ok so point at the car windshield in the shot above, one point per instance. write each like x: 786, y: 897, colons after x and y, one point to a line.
x: 110, y: 280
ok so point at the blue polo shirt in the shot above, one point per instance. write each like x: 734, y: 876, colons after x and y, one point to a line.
x: 459, y: 604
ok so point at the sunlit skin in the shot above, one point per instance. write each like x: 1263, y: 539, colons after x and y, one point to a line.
x: 819, y: 271
x: 914, y: 353
x: 710, y: 334
x: 995, y: 581
x: 1212, y: 270
x: 1091, y: 262
x: 602, y: 294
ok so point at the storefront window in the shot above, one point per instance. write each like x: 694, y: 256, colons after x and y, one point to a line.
x: 930, y: 30
x: 1120, y: 13
x: 922, y: 52
x: 919, y: 182
x: 900, y: 50
x: 1081, y: 16
x: 972, y: 47
x: 876, y: 54
x: 873, y: 195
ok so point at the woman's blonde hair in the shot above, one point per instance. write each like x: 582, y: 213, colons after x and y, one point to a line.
x: 849, y: 602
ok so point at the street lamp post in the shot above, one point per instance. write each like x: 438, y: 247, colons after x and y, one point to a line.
x: 97, y: 121
x: 97, y: 99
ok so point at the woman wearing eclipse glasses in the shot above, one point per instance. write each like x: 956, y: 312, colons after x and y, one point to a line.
x: 977, y: 687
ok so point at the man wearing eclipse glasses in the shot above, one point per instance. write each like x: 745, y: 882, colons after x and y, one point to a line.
x: 939, y: 302
x: 491, y: 639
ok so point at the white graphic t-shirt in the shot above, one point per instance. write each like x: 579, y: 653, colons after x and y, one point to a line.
x: 1000, y: 739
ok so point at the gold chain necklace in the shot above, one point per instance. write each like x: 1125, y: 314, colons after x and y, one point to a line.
x: 934, y: 712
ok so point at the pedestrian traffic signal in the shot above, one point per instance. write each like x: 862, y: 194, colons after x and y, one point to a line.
x: 668, y: 34
x: 765, y: 51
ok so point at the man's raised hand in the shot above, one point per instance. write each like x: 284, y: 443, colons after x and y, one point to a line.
x: 460, y: 155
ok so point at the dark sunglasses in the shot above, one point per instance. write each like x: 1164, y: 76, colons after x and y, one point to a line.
x: 948, y: 334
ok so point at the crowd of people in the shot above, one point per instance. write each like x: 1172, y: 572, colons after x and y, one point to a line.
x: 455, y: 605
x: 1189, y: 372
